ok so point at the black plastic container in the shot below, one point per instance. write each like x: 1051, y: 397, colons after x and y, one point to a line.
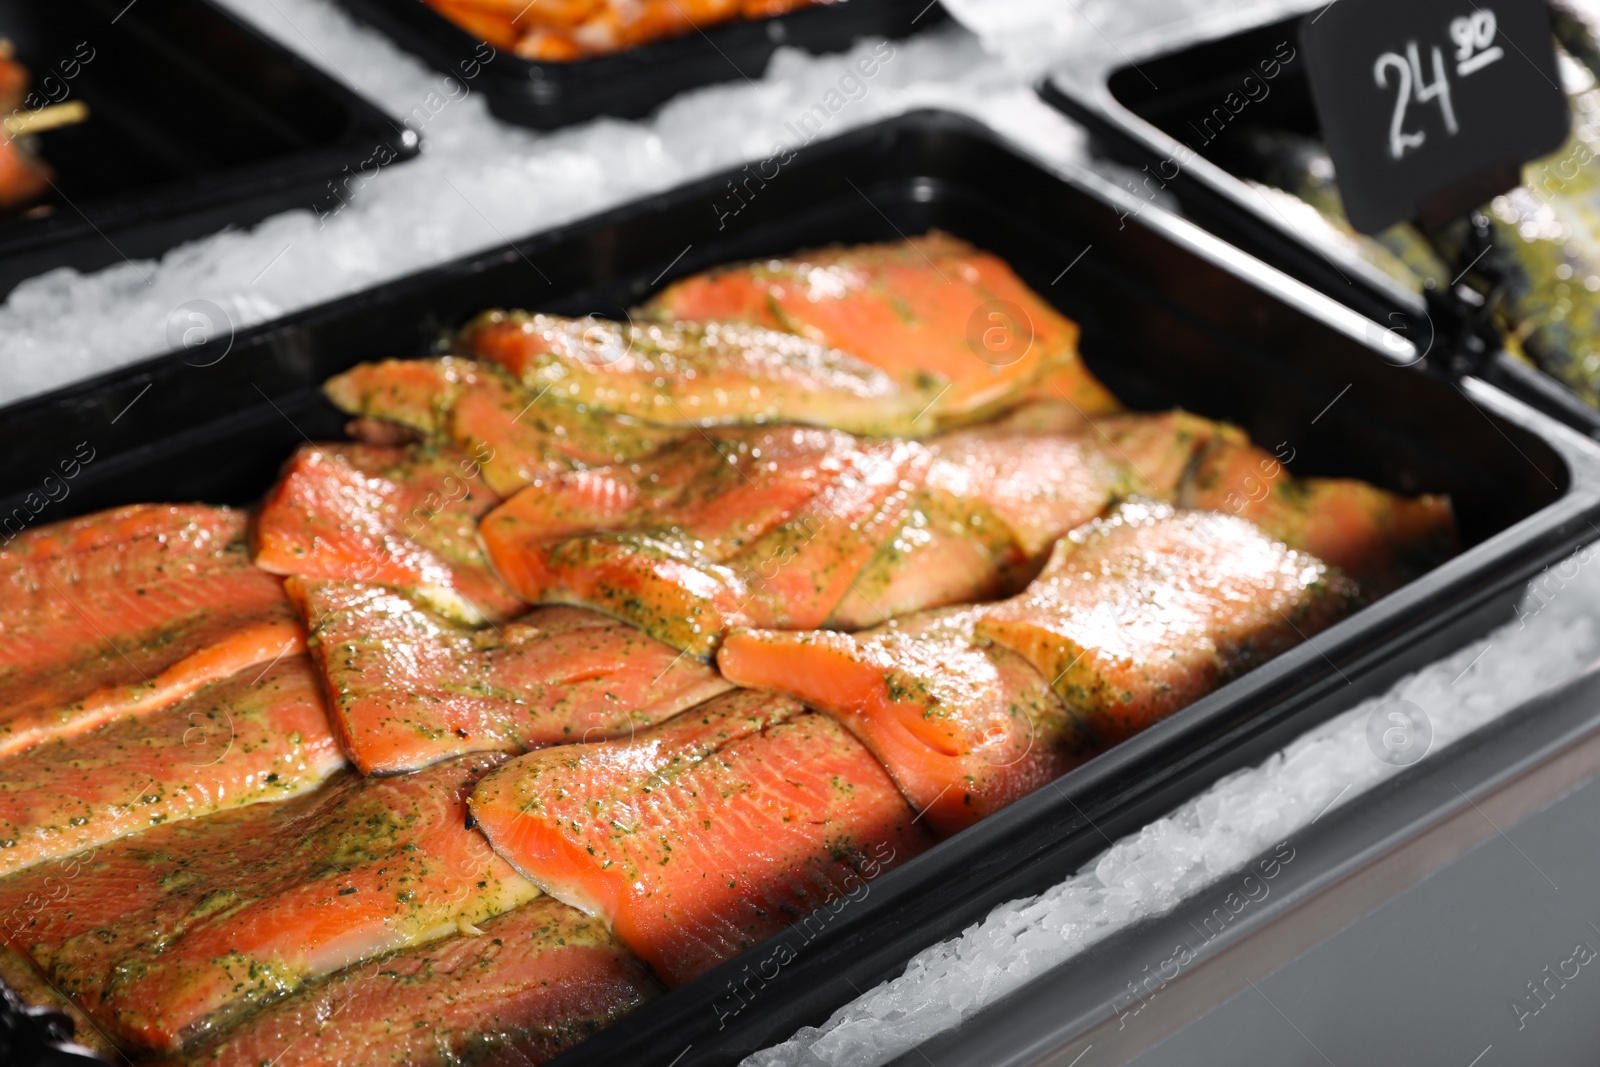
x: 1347, y: 864
x: 1150, y: 109
x: 634, y: 83
x: 197, y: 122
x: 1170, y: 315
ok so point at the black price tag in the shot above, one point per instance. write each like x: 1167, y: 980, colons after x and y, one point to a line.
x: 1430, y: 107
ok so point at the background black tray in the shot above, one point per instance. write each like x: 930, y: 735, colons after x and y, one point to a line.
x: 634, y: 83
x: 1137, y: 110
x: 197, y: 122
x: 1169, y: 314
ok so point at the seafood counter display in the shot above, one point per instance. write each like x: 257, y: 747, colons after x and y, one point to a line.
x: 604, y: 651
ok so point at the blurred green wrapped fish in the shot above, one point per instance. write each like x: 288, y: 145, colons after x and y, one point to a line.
x: 1544, y: 250
x: 1300, y: 166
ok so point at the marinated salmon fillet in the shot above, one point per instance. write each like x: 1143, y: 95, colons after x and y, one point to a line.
x: 127, y: 610
x: 1039, y: 485
x: 930, y: 306
x: 525, y: 440
x: 416, y: 393
x: 253, y: 643
x: 948, y: 549
x: 174, y: 934
x: 744, y: 527
x: 522, y: 988
x: 705, y: 835
x: 994, y: 502
x: 410, y: 688
x: 1160, y: 449
x: 998, y: 497
x: 406, y: 517
x: 517, y: 436
x: 1379, y: 538
x: 701, y: 374
x: 1149, y: 609
x: 261, y: 734
x: 963, y: 729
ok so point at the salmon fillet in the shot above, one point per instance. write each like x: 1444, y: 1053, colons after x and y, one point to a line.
x: 994, y: 502
x: 700, y: 374
x: 747, y: 527
x: 1161, y: 449
x: 171, y: 935
x: 406, y: 517
x: 1379, y: 538
x: 416, y: 393
x: 260, y: 735
x: 127, y: 610
x: 528, y: 985
x: 253, y: 644
x: 998, y: 497
x: 705, y: 835
x: 518, y: 437
x: 1149, y: 609
x: 1039, y: 485
x: 948, y: 550
x: 963, y: 729
x: 410, y: 688
x: 931, y: 306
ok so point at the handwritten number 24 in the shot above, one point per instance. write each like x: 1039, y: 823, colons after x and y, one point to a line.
x: 1413, y: 86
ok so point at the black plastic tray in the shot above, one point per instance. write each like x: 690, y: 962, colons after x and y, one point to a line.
x: 634, y: 83
x: 1362, y: 855
x: 1170, y: 315
x: 1138, y: 109
x: 197, y: 122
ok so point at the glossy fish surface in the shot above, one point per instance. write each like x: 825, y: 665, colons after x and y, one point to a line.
x: 963, y: 728
x: 1152, y: 607
x: 517, y: 989
x: 167, y: 936
x: 705, y: 835
x: 410, y: 688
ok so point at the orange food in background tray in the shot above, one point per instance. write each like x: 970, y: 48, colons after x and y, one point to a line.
x: 24, y: 177
x: 562, y: 30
